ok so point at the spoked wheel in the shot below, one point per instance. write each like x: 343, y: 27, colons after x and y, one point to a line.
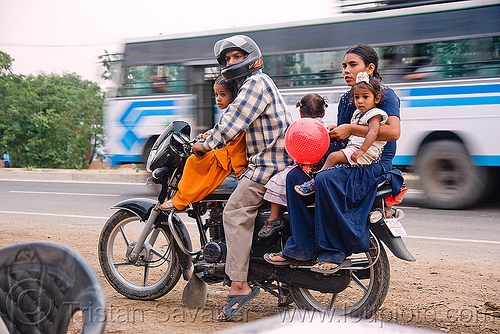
x: 153, y: 274
x: 365, y: 293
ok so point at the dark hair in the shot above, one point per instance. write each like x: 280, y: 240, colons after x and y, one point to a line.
x: 231, y: 86
x: 368, y: 55
x: 374, y: 86
x: 312, y: 105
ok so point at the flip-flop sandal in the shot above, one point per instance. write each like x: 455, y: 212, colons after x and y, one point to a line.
x: 306, y: 188
x: 288, y: 260
x: 345, y: 264
x: 270, y: 227
x: 228, y: 309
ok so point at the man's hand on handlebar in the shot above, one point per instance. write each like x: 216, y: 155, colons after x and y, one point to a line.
x: 198, y: 149
x: 203, y: 136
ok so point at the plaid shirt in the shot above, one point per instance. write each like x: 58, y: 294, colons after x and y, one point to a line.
x: 260, y: 111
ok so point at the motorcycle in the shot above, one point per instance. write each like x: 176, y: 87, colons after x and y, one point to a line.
x: 143, y: 251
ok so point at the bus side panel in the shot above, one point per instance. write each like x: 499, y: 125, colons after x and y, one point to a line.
x: 467, y: 111
x: 129, y: 123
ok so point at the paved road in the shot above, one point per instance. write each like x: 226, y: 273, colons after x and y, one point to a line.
x: 83, y: 201
x: 471, y: 234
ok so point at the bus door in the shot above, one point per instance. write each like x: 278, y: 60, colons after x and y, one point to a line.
x: 202, y: 78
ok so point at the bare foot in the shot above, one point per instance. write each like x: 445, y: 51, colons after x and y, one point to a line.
x: 325, y: 266
x: 277, y: 258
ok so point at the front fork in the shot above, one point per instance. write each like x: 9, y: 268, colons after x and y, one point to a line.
x: 134, y: 254
x: 149, y: 226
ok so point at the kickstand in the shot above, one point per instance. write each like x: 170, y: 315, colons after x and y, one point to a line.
x: 284, y: 298
x: 267, y: 289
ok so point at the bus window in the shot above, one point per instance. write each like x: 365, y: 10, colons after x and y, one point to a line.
x: 305, y: 69
x: 441, y: 60
x: 150, y: 80
x: 211, y: 73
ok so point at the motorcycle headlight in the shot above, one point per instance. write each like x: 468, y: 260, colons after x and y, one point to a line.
x: 180, y: 143
x: 151, y: 156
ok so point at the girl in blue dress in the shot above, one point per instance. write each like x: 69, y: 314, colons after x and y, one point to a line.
x: 338, y: 225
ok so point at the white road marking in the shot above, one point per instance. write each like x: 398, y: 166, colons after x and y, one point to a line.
x: 408, y: 207
x: 51, y: 214
x: 61, y: 193
x: 64, y: 215
x: 452, y: 239
x: 73, y: 181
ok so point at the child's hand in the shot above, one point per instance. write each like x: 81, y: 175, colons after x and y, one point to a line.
x: 357, y: 154
x: 330, y: 129
x: 340, y: 132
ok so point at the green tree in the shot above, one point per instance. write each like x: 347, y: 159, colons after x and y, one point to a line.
x: 50, y: 121
x: 5, y: 64
x: 6, y: 86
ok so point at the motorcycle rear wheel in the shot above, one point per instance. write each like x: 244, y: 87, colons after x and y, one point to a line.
x: 148, y: 278
x: 361, y: 299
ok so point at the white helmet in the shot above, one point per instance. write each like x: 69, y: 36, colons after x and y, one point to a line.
x: 251, y: 63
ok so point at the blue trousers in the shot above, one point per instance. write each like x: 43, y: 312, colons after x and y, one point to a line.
x: 338, y: 225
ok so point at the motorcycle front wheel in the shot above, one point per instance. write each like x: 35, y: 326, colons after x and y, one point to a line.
x: 364, y: 295
x: 153, y: 274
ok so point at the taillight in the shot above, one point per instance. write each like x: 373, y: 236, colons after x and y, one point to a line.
x: 389, y: 201
x: 394, y: 213
x: 375, y: 216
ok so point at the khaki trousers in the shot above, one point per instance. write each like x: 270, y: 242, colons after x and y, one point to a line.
x: 239, y: 222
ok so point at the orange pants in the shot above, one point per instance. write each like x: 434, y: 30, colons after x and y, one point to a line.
x: 203, y: 174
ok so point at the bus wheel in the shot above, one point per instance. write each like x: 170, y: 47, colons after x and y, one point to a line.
x: 448, y: 177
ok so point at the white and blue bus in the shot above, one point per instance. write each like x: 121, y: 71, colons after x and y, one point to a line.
x: 441, y: 57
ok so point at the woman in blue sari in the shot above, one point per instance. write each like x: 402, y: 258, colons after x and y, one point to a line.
x: 343, y: 197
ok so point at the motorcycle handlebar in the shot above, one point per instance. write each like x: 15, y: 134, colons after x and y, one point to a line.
x: 159, y: 172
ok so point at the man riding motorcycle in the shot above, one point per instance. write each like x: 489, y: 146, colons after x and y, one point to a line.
x: 260, y: 111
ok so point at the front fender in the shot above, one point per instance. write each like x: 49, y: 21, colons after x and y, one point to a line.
x: 141, y: 207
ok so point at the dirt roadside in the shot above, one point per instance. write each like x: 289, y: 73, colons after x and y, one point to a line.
x: 442, y: 296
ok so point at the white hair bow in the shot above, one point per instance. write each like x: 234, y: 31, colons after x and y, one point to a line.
x: 363, y: 77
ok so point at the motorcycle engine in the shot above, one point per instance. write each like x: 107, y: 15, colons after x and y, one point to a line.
x: 215, y: 251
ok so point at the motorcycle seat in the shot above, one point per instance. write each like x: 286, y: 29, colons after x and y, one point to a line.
x: 225, y: 189
x: 383, y: 189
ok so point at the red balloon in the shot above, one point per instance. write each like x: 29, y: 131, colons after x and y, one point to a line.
x: 307, y: 141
